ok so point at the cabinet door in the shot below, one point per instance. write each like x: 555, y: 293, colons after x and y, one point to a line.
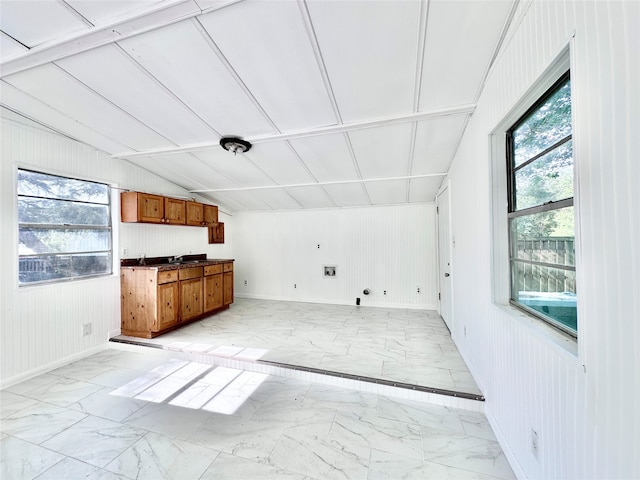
x: 213, y: 295
x: 150, y: 208
x: 216, y: 233
x: 228, y: 287
x: 190, y: 298
x: 195, y: 213
x: 167, y: 305
x: 174, y: 211
x: 210, y: 214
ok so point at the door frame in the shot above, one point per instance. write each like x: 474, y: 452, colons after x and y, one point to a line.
x: 445, y: 189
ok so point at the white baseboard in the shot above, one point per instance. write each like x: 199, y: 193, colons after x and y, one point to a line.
x: 34, y: 372
x: 506, y: 448
x: 364, y: 303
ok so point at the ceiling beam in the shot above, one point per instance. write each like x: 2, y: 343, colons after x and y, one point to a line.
x: 312, y: 132
x: 318, y: 184
x: 157, y: 15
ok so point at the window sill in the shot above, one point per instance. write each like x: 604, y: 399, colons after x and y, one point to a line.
x: 562, y: 342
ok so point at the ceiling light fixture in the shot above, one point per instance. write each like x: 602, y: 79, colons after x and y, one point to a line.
x: 235, y: 145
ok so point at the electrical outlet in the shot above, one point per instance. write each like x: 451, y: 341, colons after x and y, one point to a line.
x: 125, y: 252
x: 86, y: 329
x: 384, y: 292
x: 535, y: 443
x: 418, y: 290
x: 465, y: 331
x: 295, y: 285
x: 245, y: 282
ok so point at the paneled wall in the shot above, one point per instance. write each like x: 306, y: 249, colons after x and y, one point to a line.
x: 581, y: 401
x: 40, y: 326
x: 281, y: 255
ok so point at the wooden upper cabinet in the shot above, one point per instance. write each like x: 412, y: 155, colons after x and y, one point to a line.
x: 141, y: 207
x: 210, y: 214
x: 175, y: 211
x: 195, y: 213
x: 216, y: 233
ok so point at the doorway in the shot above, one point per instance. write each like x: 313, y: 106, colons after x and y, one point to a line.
x: 444, y: 256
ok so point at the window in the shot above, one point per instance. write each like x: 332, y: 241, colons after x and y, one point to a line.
x: 540, y: 210
x: 64, y: 228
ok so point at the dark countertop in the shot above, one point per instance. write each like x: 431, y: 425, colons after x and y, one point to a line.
x: 164, y: 263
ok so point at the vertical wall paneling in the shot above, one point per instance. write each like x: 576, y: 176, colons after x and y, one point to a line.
x: 40, y: 326
x: 381, y: 248
x: 583, y: 405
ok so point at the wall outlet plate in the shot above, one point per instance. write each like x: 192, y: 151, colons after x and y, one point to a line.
x: 329, y: 270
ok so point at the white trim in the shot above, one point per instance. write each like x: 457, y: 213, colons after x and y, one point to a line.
x: 34, y: 372
x: 467, y: 109
x: 500, y: 276
x: 322, y: 301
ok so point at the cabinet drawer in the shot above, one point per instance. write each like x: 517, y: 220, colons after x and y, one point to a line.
x: 168, y: 276
x: 213, y: 269
x: 228, y: 267
x: 191, y: 272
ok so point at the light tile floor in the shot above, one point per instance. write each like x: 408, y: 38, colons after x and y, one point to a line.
x: 402, y: 345
x: 151, y: 414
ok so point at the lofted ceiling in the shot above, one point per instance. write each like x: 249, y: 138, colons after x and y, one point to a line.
x: 346, y: 103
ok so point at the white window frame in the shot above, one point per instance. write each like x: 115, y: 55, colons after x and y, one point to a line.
x: 501, y: 276
x: 110, y: 227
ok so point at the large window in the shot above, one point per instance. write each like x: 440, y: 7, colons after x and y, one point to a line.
x: 541, y: 218
x: 64, y: 228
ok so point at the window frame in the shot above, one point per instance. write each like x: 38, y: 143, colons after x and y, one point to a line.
x: 109, y: 227
x: 552, y: 205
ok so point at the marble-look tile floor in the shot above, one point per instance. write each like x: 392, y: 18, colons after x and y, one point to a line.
x: 401, y: 345
x: 150, y: 414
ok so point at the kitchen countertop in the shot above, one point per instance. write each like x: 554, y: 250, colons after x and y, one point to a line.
x: 164, y: 263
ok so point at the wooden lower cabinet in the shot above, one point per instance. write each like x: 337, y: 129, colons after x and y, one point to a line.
x: 213, y: 292
x: 154, y: 302
x: 190, y: 299
x: 167, y: 307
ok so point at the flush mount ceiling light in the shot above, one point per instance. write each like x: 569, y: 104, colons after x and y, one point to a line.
x: 235, y: 145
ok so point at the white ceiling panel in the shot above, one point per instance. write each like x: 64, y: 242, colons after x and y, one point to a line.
x: 193, y: 168
x: 383, y: 152
x: 100, y: 12
x: 9, y: 47
x: 111, y: 73
x: 327, y: 157
x: 35, y: 22
x: 209, y: 89
x: 461, y: 38
x: 33, y: 108
x: 275, y: 198
x: 245, y: 200
x: 225, y: 202
x: 389, y: 192
x: 279, y: 162
x: 424, y: 189
x: 268, y: 46
x: 348, y: 194
x: 238, y: 168
x: 324, y: 89
x: 169, y: 171
x: 370, y: 51
x: 57, y: 89
x: 311, y: 197
x: 436, y: 141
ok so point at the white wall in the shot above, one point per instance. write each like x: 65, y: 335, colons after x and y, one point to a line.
x: 40, y: 326
x: 381, y: 248
x: 582, y: 401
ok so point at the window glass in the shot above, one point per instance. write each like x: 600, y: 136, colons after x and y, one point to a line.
x: 544, y: 126
x: 541, y: 212
x: 64, y: 228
